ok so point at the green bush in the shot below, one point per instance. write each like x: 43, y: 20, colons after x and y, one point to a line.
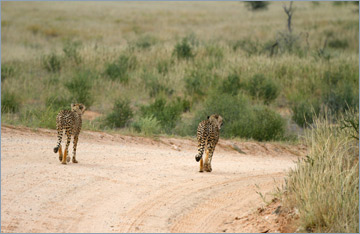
x: 304, y: 111
x: 263, y: 88
x: 156, y: 85
x: 9, y: 102
x: 183, y: 50
x: 198, y: 81
x: 231, y: 84
x: 148, y: 125
x: 268, y: 125
x: 52, y: 62
x: 241, y: 119
x: 71, y: 50
x: 80, y: 88
x: 166, y: 113
x: 338, y: 44
x: 6, y: 72
x: 338, y: 90
x: 257, y: 5
x: 121, y: 114
x: 145, y: 42
x: 119, y: 69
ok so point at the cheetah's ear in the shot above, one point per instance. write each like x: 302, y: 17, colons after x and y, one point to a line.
x: 82, y: 107
x: 72, y: 105
x: 208, y: 117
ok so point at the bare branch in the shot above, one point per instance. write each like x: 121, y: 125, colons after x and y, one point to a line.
x: 289, y: 11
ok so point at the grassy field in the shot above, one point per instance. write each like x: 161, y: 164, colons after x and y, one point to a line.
x: 160, y: 67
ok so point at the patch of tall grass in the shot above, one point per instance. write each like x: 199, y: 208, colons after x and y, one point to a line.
x: 324, y: 186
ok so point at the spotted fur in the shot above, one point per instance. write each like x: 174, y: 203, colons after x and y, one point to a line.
x: 70, y: 121
x: 208, y: 133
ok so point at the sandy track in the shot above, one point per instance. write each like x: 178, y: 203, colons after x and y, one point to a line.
x: 132, y: 184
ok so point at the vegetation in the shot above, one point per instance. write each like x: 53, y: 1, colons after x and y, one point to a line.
x: 175, y: 77
x: 257, y: 5
x: 332, y: 162
x: 120, y: 115
x: 165, y: 70
x: 9, y: 102
x: 79, y: 87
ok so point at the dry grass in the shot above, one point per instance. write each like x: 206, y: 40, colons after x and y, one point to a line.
x: 325, y: 186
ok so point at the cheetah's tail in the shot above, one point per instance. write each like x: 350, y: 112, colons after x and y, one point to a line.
x: 56, y: 149
x: 198, y: 157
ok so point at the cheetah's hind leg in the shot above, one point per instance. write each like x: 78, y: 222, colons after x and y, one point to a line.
x: 60, y: 153
x: 201, y: 165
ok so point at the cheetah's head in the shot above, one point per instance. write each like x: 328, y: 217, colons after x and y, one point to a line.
x: 78, y: 108
x: 217, y: 120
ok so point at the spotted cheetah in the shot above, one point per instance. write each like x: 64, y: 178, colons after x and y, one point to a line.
x: 71, y: 121
x: 208, y: 133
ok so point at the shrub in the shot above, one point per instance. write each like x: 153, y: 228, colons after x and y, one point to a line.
x: 118, y: 69
x: 145, y: 42
x: 231, y: 108
x: 248, y: 46
x: 231, y: 84
x: 341, y: 98
x: 338, y: 44
x: 120, y: 115
x: 338, y: 90
x: 349, y: 123
x: 6, y: 71
x: 166, y: 113
x: 198, y: 81
x: 257, y: 5
x: 71, y: 50
x: 304, y: 112
x: 155, y: 85
x: 241, y: 119
x: 9, y: 102
x: 268, y: 125
x: 183, y: 50
x: 264, y: 88
x: 148, y: 125
x: 52, y: 62
x: 80, y: 86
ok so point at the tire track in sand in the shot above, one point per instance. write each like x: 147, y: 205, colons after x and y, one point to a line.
x: 192, y: 206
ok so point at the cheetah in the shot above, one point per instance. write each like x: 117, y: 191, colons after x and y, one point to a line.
x: 70, y: 121
x: 208, y: 133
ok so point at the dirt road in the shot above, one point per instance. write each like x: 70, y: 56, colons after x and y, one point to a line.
x: 132, y: 184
